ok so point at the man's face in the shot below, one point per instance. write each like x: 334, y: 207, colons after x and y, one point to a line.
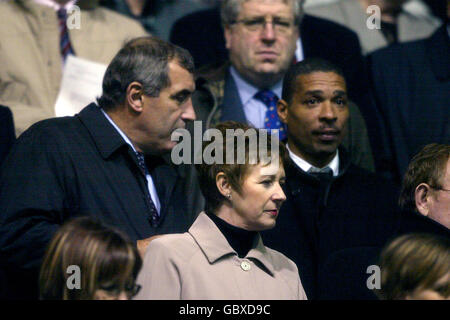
x: 162, y: 115
x: 262, y: 52
x: 439, y: 207
x: 316, y: 117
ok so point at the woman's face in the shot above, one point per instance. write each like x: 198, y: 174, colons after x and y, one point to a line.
x: 106, y: 295
x: 257, y: 207
x: 438, y: 292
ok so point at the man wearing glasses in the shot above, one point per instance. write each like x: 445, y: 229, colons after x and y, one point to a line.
x: 426, y: 191
x: 262, y: 38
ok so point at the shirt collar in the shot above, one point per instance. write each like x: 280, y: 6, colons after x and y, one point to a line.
x: 214, y: 245
x: 106, y: 138
x: 124, y: 136
x: 247, y: 91
x: 305, y: 166
x: 56, y: 6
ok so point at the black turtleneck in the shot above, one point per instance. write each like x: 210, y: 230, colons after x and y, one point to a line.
x: 240, y: 240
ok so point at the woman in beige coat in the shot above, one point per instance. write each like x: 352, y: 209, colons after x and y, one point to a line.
x: 222, y: 255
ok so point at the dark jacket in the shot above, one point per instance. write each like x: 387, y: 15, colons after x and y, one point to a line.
x: 7, y: 135
x: 80, y: 165
x: 412, y: 88
x: 354, y: 209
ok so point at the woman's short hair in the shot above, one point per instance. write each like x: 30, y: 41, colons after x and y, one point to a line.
x: 241, y: 139
x: 414, y: 262
x: 105, y: 257
x: 428, y: 166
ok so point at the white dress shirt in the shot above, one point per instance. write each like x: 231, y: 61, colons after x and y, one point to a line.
x: 150, y: 183
x: 255, y: 109
x: 305, y: 166
x: 55, y: 5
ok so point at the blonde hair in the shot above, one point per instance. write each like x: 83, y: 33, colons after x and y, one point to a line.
x: 104, y: 255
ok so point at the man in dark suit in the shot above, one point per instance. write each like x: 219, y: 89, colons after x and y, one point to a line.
x: 7, y: 136
x: 425, y: 195
x: 411, y: 83
x: 262, y: 38
x: 335, y: 211
x: 110, y: 161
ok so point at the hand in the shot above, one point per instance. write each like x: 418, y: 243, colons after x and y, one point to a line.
x: 143, y: 244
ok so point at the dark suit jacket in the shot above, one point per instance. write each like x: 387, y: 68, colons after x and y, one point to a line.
x: 201, y: 33
x: 412, y: 89
x: 7, y: 135
x: 80, y: 165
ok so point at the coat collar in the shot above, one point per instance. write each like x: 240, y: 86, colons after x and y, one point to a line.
x: 232, y: 108
x: 105, y: 136
x: 214, y: 245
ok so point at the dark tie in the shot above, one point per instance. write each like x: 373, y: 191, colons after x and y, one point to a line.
x: 323, y: 174
x: 66, y: 48
x: 154, y: 216
x: 271, y: 120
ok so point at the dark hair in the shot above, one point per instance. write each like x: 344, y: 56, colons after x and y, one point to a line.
x: 306, y: 66
x: 145, y: 60
x: 414, y: 262
x: 235, y: 171
x: 104, y: 255
x: 427, y: 166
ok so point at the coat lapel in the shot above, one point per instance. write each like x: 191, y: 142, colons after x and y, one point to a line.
x: 232, y: 108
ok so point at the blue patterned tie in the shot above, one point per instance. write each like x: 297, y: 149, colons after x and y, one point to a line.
x: 66, y: 48
x: 271, y: 120
x: 154, y: 216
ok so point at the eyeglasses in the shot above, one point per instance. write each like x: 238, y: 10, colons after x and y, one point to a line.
x: 439, y: 188
x: 258, y: 24
x: 131, y: 290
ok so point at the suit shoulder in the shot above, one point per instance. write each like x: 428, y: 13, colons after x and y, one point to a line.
x: 197, y: 18
x: 398, y: 51
x: 121, y: 23
x: 50, y: 131
x: 5, y: 113
x: 329, y: 28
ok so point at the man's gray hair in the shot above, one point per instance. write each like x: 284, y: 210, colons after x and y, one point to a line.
x: 144, y: 60
x: 230, y: 10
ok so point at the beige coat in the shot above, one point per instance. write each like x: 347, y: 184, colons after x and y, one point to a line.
x: 350, y: 14
x: 200, y: 264
x: 30, y: 59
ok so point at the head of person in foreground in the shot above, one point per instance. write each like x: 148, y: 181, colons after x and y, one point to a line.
x: 426, y: 184
x: 87, y: 260
x: 415, y: 267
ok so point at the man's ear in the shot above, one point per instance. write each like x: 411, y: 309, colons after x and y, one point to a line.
x: 227, y: 35
x: 135, y: 96
x: 282, y: 110
x: 422, y: 197
x: 223, y: 185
